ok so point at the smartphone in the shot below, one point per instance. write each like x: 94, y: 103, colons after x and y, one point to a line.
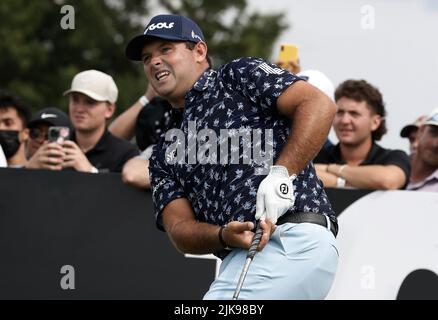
x: 288, y: 52
x: 58, y: 134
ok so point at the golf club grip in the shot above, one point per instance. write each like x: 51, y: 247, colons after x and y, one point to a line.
x: 255, y: 241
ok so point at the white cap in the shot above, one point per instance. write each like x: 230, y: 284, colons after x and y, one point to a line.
x: 432, y: 119
x: 319, y: 80
x: 97, y: 85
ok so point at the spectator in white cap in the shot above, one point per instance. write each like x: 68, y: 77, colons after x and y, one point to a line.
x: 92, y: 99
x: 424, y: 175
x: 318, y: 79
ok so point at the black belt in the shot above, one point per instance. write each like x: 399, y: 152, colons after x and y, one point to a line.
x: 316, y: 218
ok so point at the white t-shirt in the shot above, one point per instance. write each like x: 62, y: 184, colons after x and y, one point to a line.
x: 3, y: 162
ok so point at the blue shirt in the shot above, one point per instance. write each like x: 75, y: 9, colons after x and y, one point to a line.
x: 241, y: 95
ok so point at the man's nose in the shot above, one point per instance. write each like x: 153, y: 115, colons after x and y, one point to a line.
x: 79, y: 105
x: 344, y: 118
x: 156, y: 60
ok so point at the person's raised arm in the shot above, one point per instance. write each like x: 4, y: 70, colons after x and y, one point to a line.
x: 124, y: 125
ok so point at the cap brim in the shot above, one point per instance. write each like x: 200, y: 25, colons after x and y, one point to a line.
x: 431, y: 123
x: 406, y: 131
x: 51, y: 122
x: 135, y: 46
x: 88, y: 93
x: 36, y: 122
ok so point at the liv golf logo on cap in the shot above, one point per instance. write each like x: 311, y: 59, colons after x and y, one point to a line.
x: 159, y: 25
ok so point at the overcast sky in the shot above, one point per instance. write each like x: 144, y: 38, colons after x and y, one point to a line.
x: 399, y: 55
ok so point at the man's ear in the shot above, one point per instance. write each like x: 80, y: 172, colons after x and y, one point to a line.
x: 201, y: 51
x: 111, y: 107
x: 376, y: 120
x: 24, y: 136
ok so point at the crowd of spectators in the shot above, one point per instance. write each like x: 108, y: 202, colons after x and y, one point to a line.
x: 356, y: 161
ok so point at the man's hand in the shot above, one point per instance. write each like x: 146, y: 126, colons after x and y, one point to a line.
x: 275, y: 194
x: 290, y: 65
x: 48, y: 156
x: 75, y: 158
x: 239, y: 234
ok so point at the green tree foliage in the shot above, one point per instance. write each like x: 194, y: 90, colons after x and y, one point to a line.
x: 38, y: 58
x: 230, y: 30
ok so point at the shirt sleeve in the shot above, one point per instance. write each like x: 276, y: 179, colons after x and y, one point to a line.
x: 322, y: 156
x: 146, y: 153
x: 165, y: 187
x: 400, y: 159
x: 260, y: 81
x: 130, y: 152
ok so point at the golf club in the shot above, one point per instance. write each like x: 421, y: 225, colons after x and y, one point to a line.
x: 251, y: 253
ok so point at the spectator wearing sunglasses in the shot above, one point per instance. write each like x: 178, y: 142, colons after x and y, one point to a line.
x: 41, y: 153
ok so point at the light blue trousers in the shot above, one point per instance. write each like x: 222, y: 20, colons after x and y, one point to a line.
x: 298, y: 262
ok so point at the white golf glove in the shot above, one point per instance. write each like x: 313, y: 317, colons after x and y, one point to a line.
x: 275, y: 194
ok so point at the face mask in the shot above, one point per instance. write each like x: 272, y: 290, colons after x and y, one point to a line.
x: 9, y: 142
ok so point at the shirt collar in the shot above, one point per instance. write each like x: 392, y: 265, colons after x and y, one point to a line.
x: 433, y: 176
x: 337, y: 157
x: 204, y: 80
x: 101, y: 144
x: 419, y: 184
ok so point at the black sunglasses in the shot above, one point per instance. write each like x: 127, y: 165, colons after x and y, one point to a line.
x: 36, y: 133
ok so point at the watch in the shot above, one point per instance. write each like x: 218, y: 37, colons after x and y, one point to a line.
x: 143, y: 101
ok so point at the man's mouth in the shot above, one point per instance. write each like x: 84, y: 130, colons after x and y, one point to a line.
x: 161, y: 74
x: 77, y: 117
x: 345, y: 130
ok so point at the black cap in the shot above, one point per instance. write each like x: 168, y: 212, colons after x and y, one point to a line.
x: 51, y: 116
x: 407, y: 129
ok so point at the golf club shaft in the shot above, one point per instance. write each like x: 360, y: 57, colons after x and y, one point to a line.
x: 251, y: 253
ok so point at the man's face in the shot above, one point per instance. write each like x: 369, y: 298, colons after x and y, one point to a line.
x: 10, y: 120
x: 354, y: 122
x: 427, y: 148
x: 413, y: 143
x: 37, y: 136
x: 86, y: 114
x: 170, y: 68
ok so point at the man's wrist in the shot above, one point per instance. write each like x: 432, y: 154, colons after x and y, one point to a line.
x: 94, y: 170
x: 341, y: 168
x: 143, y: 100
x: 283, y: 171
x: 221, y: 238
x: 340, y: 182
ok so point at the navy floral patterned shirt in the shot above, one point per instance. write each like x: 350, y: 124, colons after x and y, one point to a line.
x: 242, y: 96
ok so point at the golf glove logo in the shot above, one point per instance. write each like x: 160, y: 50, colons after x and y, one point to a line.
x: 275, y: 194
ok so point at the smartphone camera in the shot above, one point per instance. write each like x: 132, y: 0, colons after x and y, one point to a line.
x: 58, y: 134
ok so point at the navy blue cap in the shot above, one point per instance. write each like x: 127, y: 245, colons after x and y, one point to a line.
x: 164, y: 26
